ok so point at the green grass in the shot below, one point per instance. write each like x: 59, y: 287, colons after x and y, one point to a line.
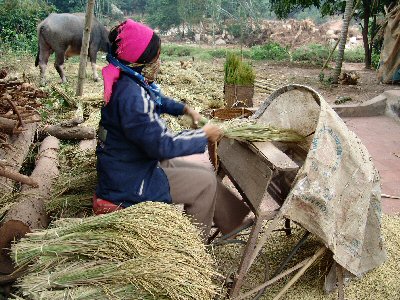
x: 313, y: 53
x: 270, y: 51
x: 177, y: 52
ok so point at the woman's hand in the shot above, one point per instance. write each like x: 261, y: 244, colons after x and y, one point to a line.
x: 196, y: 117
x: 213, y: 132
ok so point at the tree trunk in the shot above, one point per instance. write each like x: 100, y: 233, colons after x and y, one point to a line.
x: 365, y: 35
x: 343, y: 39
x: 29, y: 212
x: 16, y: 154
x: 85, y: 46
x: 8, y: 125
x: 71, y: 133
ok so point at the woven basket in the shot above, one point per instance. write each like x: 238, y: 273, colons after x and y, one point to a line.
x: 237, y: 94
x: 230, y: 113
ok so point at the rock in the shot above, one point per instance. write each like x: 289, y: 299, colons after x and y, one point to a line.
x: 220, y: 42
x: 197, y: 37
x: 330, y: 32
x: 115, y: 11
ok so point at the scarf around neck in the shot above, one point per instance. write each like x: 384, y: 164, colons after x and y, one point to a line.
x: 112, y: 72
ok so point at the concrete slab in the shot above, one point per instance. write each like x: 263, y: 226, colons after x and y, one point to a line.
x: 387, y: 103
x: 381, y: 136
x: 373, y: 107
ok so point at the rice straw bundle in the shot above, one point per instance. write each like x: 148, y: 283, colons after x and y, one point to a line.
x: 245, y: 130
x: 147, y: 251
x: 251, y: 131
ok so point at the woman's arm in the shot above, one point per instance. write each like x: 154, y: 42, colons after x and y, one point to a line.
x: 176, y: 108
x: 143, y: 126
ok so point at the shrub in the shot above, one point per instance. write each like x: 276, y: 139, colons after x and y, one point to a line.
x: 376, y: 57
x: 235, y: 30
x: 237, y: 71
x: 19, y: 19
x: 269, y: 51
x: 313, y: 53
x: 354, y: 55
x: 176, y: 50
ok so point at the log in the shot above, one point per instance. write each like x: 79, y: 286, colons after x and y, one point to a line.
x: 87, y: 145
x: 8, y: 232
x: 7, y: 125
x: 16, y: 154
x: 29, y: 212
x: 71, y: 133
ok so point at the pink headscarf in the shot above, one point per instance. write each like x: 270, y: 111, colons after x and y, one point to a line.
x: 133, y: 39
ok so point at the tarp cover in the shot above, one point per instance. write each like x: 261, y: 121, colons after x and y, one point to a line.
x: 336, y: 194
x: 389, y: 65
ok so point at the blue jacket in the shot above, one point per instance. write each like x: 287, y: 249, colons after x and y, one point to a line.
x: 133, y: 139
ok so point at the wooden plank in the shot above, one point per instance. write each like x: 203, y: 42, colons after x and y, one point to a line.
x: 274, y: 156
x: 250, y: 172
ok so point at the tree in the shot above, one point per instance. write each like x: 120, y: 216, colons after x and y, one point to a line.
x: 367, y: 14
x: 191, y: 11
x: 85, y: 46
x: 68, y: 5
x: 163, y: 14
x: 18, y: 21
x: 343, y: 39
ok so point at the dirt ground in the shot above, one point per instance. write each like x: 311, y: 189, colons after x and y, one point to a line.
x: 367, y: 87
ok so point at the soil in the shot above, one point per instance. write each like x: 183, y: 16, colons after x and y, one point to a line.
x: 367, y: 86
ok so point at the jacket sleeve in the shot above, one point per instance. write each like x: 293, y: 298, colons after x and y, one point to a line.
x: 171, y: 107
x: 143, y: 126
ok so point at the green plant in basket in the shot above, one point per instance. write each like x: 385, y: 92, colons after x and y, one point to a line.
x: 238, y: 72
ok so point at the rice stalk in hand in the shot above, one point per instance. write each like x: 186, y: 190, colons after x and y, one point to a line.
x: 251, y: 131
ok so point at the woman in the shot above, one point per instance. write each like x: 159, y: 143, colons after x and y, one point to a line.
x: 137, y: 155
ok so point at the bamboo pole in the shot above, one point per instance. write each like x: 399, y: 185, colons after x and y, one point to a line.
x: 17, y: 176
x: 85, y: 46
x: 273, y: 280
x: 296, y: 277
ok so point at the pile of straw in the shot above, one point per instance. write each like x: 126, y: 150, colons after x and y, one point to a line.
x: 72, y: 193
x: 147, y: 251
x: 380, y: 283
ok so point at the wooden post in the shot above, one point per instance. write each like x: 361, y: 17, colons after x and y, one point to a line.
x: 85, y: 46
